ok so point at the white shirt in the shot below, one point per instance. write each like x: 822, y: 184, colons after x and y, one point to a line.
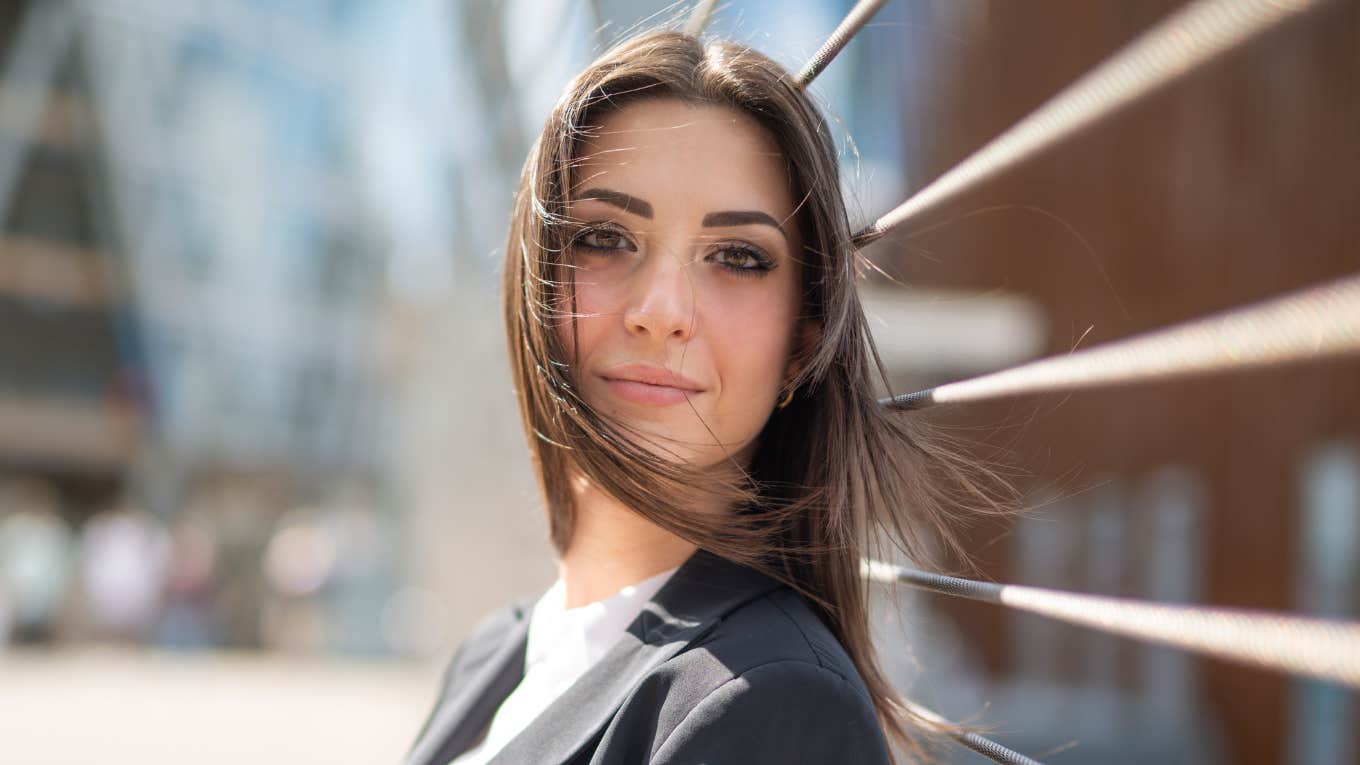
x: 562, y: 644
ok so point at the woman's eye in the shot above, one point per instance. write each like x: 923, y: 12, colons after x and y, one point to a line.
x: 745, y: 261
x: 603, y: 239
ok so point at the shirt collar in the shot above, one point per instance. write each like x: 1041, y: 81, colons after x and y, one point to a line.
x: 585, y: 633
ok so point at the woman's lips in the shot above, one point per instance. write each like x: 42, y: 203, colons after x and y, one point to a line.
x: 649, y: 385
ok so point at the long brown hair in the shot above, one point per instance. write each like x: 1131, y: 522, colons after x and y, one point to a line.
x: 833, y: 473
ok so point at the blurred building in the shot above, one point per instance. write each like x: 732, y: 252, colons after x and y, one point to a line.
x: 240, y: 289
x: 1235, y: 184
x: 71, y: 395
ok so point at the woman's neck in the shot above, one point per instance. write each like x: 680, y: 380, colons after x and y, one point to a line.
x: 613, y: 547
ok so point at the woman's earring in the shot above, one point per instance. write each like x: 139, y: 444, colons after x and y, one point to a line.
x: 785, y: 401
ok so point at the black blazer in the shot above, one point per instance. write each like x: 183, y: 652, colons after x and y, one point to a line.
x: 723, y: 665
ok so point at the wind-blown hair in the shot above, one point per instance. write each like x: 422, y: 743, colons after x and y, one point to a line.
x: 833, y: 473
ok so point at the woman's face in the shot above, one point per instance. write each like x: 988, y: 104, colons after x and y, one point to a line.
x: 686, y: 274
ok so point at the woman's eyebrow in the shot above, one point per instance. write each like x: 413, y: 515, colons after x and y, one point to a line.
x: 631, y: 204
x: 742, y: 218
x: 625, y: 202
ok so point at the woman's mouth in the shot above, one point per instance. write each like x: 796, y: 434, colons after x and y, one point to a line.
x: 650, y: 385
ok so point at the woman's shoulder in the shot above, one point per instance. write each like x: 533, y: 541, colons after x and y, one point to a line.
x: 768, y: 683
x: 487, y: 636
x: 777, y: 631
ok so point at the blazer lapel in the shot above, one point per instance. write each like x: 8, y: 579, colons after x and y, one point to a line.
x: 702, y: 591
x: 473, y: 700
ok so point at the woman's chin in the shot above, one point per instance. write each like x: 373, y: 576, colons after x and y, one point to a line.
x: 684, y: 448
x: 674, y: 435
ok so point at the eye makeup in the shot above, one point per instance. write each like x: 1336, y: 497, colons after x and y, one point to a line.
x: 602, y: 238
x: 756, y: 262
x: 737, y: 257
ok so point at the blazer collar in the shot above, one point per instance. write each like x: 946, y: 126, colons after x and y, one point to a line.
x: 698, y: 595
x: 495, y: 659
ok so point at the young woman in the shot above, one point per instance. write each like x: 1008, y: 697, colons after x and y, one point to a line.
x: 696, y: 381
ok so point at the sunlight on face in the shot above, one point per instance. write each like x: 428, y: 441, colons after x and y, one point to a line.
x: 686, y: 275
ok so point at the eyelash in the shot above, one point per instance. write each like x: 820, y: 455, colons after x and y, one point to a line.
x: 576, y: 241
x: 763, y: 263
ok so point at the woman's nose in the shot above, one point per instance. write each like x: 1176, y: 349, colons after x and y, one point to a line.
x: 661, y: 302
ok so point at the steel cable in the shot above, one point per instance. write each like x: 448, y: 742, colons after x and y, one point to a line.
x: 980, y: 744
x: 854, y: 21
x: 1321, y: 648
x: 1317, y: 322
x: 1174, y: 47
x: 698, y: 17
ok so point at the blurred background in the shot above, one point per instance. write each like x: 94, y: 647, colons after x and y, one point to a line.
x: 260, y: 468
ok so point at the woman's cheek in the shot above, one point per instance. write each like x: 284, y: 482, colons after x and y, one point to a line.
x: 578, y: 321
x: 753, y: 344
x: 588, y: 320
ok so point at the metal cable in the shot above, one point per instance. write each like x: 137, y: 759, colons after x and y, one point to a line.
x: 983, y: 746
x: 698, y: 17
x: 1183, y: 41
x: 849, y: 27
x: 1322, y: 648
x: 1313, y: 323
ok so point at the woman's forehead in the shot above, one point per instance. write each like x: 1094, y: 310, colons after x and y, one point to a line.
x: 677, y: 154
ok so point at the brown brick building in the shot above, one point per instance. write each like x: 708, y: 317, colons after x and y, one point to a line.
x: 1239, y: 182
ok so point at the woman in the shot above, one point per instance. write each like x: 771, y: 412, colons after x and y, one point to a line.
x: 697, y: 387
